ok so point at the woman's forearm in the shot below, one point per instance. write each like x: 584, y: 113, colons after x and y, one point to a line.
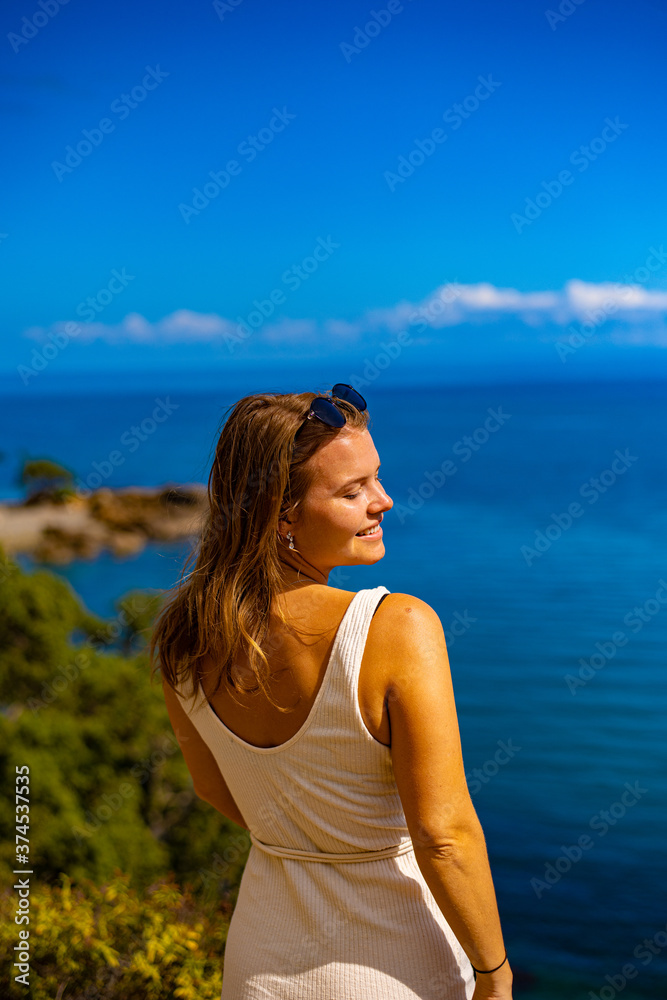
x: 458, y: 874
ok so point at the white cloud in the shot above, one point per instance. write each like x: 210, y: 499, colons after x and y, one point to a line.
x: 451, y: 304
x: 179, y: 327
x: 583, y: 297
x: 187, y: 325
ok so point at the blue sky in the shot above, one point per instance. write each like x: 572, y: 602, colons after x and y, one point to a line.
x: 529, y: 137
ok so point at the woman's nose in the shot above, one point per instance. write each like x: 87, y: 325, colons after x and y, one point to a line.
x: 384, y: 499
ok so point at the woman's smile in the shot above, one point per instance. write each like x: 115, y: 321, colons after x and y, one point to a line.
x: 374, y: 532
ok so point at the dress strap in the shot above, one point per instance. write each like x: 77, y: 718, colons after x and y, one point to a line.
x: 380, y: 602
x: 297, y: 855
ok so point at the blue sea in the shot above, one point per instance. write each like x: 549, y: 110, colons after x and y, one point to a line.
x: 533, y: 518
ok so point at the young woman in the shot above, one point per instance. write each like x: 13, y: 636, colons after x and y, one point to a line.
x: 324, y: 722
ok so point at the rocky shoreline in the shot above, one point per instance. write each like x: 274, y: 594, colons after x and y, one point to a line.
x: 120, y: 521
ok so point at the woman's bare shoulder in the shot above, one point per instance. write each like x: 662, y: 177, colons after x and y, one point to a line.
x: 406, y: 613
x: 392, y: 599
x: 405, y: 633
x: 398, y: 617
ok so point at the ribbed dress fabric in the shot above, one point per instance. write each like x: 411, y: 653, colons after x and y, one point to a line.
x: 325, y: 929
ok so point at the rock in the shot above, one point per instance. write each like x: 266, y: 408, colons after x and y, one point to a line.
x: 127, y: 543
x: 122, y: 521
x: 57, y: 545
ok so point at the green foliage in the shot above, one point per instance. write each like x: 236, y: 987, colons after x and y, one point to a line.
x: 137, y: 611
x: 46, y: 480
x: 109, y: 788
x: 113, y: 943
x: 40, y: 615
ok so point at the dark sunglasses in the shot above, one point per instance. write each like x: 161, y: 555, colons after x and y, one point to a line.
x: 326, y: 410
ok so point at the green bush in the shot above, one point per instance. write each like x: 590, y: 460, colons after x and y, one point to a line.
x: 109, y: 788
x: 109, y: 942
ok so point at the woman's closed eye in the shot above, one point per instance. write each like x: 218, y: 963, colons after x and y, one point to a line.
x: 353, y: 496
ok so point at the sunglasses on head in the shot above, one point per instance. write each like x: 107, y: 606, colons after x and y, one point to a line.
x: 324, y: 408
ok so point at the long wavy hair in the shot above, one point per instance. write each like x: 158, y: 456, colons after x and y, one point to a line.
x: 260, y: 475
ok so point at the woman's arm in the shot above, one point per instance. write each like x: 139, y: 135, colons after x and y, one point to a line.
x: 208, y: 783
x: 428, y: 766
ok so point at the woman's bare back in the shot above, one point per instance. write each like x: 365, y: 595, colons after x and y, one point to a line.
x: 298, y: 668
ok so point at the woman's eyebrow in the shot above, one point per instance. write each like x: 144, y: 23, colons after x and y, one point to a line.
x: 360, y: 479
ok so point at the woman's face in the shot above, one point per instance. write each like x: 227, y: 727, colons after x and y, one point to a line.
x: 345, y: 498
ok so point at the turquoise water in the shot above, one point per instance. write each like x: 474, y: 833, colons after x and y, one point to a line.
x: 559, y: 665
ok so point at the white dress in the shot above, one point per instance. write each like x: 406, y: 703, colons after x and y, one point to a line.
x: 330, y: 929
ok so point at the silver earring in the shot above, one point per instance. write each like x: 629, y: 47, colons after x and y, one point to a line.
x: 290, y: 536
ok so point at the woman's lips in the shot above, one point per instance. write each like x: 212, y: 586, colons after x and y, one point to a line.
x: 374, y: 534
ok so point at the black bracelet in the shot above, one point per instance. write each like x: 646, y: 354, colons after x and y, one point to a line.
x: 485, y: 971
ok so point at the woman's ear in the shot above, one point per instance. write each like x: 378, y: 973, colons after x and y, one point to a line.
x: 287, y: 522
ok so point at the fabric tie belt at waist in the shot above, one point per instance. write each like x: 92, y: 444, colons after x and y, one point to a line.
x: 297, y: 855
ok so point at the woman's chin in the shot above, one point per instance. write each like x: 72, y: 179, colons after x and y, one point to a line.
x: 369, y: 552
